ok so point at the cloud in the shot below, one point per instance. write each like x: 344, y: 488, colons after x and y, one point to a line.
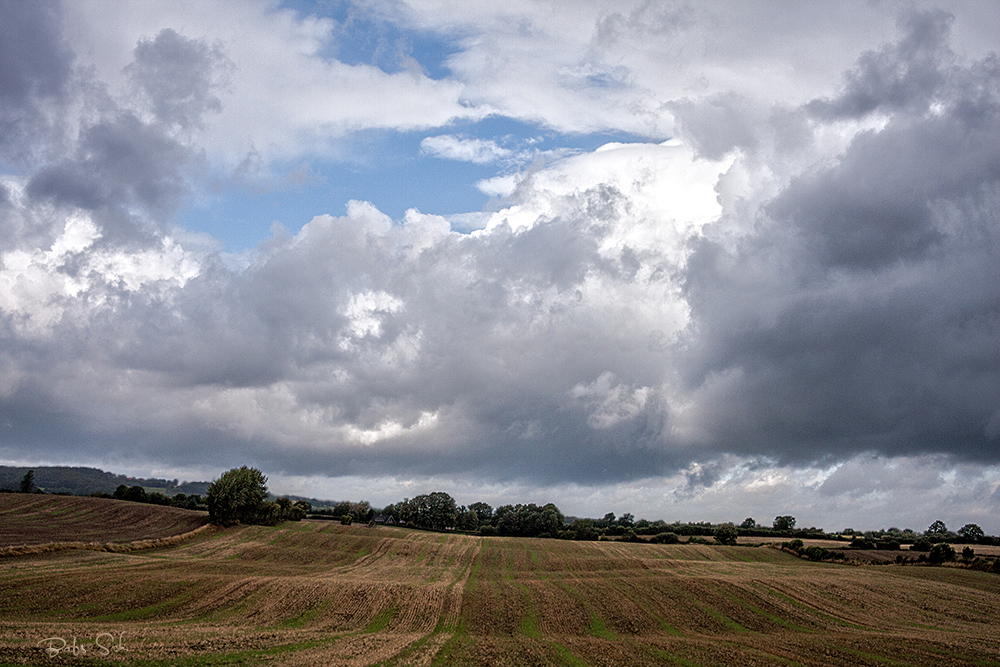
x: 844, y: 321
x: 477, y: 151
x: 792, y: 303
x: 178, y: 78
x: 35, y: 76
x: 904, y: 75
x: 263, y: 71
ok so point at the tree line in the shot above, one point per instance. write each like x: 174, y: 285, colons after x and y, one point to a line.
x: 240, y: 496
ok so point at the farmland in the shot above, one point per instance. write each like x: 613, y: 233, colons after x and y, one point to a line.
x: 30, y: 519
x: 318, y: 593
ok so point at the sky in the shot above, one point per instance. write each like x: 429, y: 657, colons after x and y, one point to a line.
x: 695, y: 261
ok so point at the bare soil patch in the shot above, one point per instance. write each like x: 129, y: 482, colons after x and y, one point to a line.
x: 313, y: 593
x: 38, y: 519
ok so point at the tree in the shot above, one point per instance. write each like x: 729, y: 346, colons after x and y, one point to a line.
x: 937, y: 528
x: 583, y: 529
x: 971, y: 532
x: 726, y: 534
x: 484, y: 513
x: 290, y: 511
x: 748, y: 523
x: 785, y: 522
x: 134, y: 493
x: 863, y: 542
x: 529, y: 520
x: 626, y: 520
x: 467, y: 519
x: 435, y: 510
x: 239, y: 496
x: 28, y: 482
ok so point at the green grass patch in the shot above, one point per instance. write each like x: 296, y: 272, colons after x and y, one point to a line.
x: 529, y: 627
x: 566, y: 657
x: 878, y: 658
x: 305, y: 617
x: 382, y: 619
x: 446, y: 654
x: 666, y: 627
x: 725, y: 620
x: 599, y: 629
x: 928, y: 627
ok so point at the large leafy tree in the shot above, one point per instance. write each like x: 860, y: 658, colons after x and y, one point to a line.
x: 786, y: 522
x: 239, y: 496
x: 484, y: 512
x: 529, y: 520
x: 936, y: 528
x: 971, y: 532
x: 433, y: 510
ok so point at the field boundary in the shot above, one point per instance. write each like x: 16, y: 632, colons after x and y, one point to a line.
x: 114, y: 547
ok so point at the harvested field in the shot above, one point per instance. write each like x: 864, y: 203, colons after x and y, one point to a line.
x: 43, y: 519
x: 315, y: 593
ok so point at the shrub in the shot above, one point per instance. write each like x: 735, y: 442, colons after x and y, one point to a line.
x: 887, y: 545
x: 922, y: 544
x: 816, y: 553
x: 666, y: 538
x: 862, y: 542
x: 968, y: 553
x: 630, y: 536
x: 940, y: 553
x: 726, y: 534
x: 487, y: 530
x: 795, y: 545
x: 346, y: 519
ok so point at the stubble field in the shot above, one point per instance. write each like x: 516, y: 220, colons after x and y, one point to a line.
x: 316, y: 593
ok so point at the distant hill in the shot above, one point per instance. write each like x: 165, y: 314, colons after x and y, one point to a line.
x: 82, y: 481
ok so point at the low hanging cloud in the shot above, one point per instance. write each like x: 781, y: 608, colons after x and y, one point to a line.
x: 785, y: 286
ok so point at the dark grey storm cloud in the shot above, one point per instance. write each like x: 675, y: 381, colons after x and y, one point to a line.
x: 904, y: 76
x: 119, y: 161
x: 35, y: 76
x: 865, y: 314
